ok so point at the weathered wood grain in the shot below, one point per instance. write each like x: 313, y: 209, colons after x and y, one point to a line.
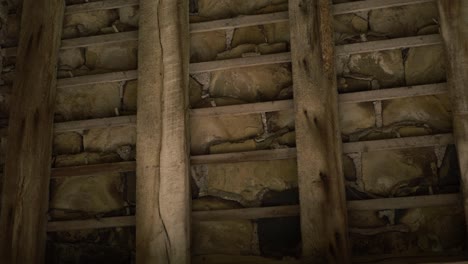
x: 95, y: 169
x: 388, y: 44
x: 321, y: 184
x: 267, y: 212
x: 99, y: 5
x: 454, y: 26
x: 237, y: 22
x: 366, y: 5
x: 163, y: 187
x: 25, y: 193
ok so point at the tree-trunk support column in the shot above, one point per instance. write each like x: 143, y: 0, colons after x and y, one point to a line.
x: 454, y: 28
x: 319, y: 154
x: 163, y: 201
x: 25, y: 196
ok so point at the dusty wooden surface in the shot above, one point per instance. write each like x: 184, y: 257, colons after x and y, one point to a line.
x: 321, y: 184
x: 163, y: 205
x: 27, y: 169
x: 454, y: 28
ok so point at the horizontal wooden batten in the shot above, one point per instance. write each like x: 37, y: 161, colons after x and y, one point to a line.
x: 91, y: 170
x: 106, y: 222
x: 344, y: 8
x: 394, y: 93
x: 257, y: 155
x: 87, y: 41
x: 268, y: 212
x: 237, y: 22
x: 398, y: 143
x: 246, y: 213
x: 381, y: 45
x: 78, y: 126
x: 99, y: 40
x: 356, y: 97
x: 341, y: 50
x: 405, y: 202
x: 243, y: 109
x: 97, y: 78
x: 100, y: 5
x: 367, y: 5
x: 220, y: 65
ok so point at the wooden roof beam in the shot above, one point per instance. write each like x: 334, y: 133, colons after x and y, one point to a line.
x: 322, y: 199
x: 163, y: 180
x: 25, y: 195
x: 454, y: 27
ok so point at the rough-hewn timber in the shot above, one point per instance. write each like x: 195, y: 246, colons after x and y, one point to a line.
x: 25, y: 196
x: 163, y: 205
x: 454, y: 25
x: 321, y: 191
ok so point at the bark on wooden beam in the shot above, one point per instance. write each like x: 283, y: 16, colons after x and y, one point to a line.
x: 163, y: 200
x: 321, y: 184
x: 454, y: 27
x: 23, y: 217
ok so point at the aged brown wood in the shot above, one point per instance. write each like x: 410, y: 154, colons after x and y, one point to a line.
x: 98, y: 78
x: 321, y: 184
x: 96, y: 169
x: 240, y: 62
x: 366, y: 5
x: 454, y: 27
x: 389, y: 44
x: 99, y: 5
x: 237, y: 22
x: 27, y: 169
x: 107, y: 222
x: 163, y: 200
x: 268, y: 212
x: 256, y: 155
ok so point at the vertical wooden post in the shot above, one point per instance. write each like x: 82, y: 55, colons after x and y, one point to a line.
x: 321, y: 183
x: 27, y: 169
x: 163, y: 200
x: 454, y: 28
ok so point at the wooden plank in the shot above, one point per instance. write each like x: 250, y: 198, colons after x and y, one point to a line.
x: 99, y: 5
x: 86, y: 41
x: 243, y: 109
x: 389, y: 44
x: 97, y: 79
x: 220, y: 65
x: 269, y: 212
x: 79, y: 126
x: 163, y: 180
x: 95, y: 169
x: 394, y: 93
x: 405, y: 202
x: 99, y: 40
x: 241, y: 21
x: 246, y: 213
x: 367, y: 5
x: 107, y: 222
x: 321, y: 182
x: 257, y: 155
x: 398, y: 143
x: 25, y: 193
x: 454, y: 27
